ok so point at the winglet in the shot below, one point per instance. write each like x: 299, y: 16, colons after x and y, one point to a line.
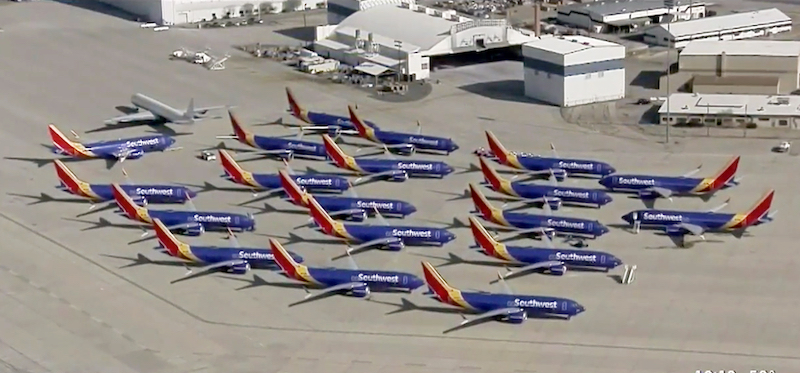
x: 126, y: 204
x: 490, y: 175
x: 240, y: 133
x: 66, y: 145
x: 482, y: 204
x: 485, y: 241
x: 297, y: 195
x: 69, y: 180
x: 504, y: 156
x: 295, y: 108
x: 335, y: 152
x: 358, y: 123
x: 320, y: 216
x: 168, y: 241
x: 758, y: 210
x: 725, y: 174
x: 283, y: 259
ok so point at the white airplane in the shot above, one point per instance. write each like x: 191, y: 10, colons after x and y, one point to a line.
x: 157, y: 111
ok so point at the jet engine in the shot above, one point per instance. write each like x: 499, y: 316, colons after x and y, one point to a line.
x: 239, y: 268
x: 134, y: 154
x: 396, y: 245
x: 398, y: 176
x: 560, y: 174
x: 558, y: 270
x: 361, y: 291
x: 406, y: 150
x: 675, y: 231
x: 555, y: 204
x: 648, y: 194
x: 288, y: 155
x: 358, y: 216
x: 194, y: 230
x: 517, y: 317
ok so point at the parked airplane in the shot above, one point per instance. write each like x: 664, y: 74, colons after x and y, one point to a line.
x: 392, y: 237
x: 678, y: 224
x: 112, y: 151
x: 353, y: 208
x: 552, y: 260
x: 285, y: 148
x: 534, y: 164
x: 103, y: 192
x: 506, y: 307
x: 650, y: 187
x: 554, y: 193
x: 354, y: 281
x: 271, y: 183
x: 394, y: 170
x: 334, y: 124
x: 530, y: 223
x: 404, y: 143
x: 159, y: 112
x: 192, y: 223
x: 234, y: 259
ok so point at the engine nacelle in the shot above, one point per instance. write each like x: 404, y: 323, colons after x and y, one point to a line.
x: 648, y: 194
x: 517, y: 317
x: 396, y: 245
x: 555, y: 204
x: 398, y: 176
x: 357, y: 216
x: 558, y: 270
x: 360, y: 291
x: 560, y: 174
x: 675, y: 231
x: 406, y: 150
x: 288, y: 155
x: 194, y: 230
x: 240, y: 268
x: 135, y: 154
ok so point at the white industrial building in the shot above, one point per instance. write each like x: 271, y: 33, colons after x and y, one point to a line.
x: 403, y: 38
x: 574, y: 70
x: 339, y: 10
x: 727, y: 27
x: 731, y: 110
x: 625, y: 15
x: 173, y: 12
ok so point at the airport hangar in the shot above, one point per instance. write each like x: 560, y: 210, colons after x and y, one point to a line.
x: 574, y: 70
x: 728, y: 27
x: 626, y: 15
x: 753, y: 67
x: 175, y: 12
x: 404, y: 38
x: 726, y: 110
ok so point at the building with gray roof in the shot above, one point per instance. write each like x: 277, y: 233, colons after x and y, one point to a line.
x: 626, y: 15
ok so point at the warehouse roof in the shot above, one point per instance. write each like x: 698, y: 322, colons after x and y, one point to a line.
x: 737, y: 105
x: 569, y: 44
x: 399, y: 23
x: 726, y: 22
x: 601, y: 9
x: 743, y: 48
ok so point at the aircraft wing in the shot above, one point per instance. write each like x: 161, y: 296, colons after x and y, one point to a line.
x: 177, y: 226
x: 203, y: 110
x: 373, y: 176
x: 720, y: 207
x: 487, y: 315
x: 663, y: 192
x: 211, y: 268
x: 333, y: 290
x: 531, y: 267
x: 345, y: 212
x: 693, y: 172
x: 141, y: 116
x: 370, y: 244
x: 692, y: 228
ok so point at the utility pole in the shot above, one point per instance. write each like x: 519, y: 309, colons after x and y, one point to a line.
x: 669, y: 4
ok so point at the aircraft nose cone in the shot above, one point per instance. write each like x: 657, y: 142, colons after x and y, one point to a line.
x: 609, y: 170
x: 410, y: 209
x: 607, y: 199
x: 617, y: 262
x: 603, y: 229
x: 628, y: 218
x: 453, y: 147
x: 415, y: 283
x: 579, y: 308
x: 449, y: 236
x: 190, y: 193
x: 447, y: 169
x: 605, y: 181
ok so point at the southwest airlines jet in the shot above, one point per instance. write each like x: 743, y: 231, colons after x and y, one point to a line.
x: 285, y: 148
x: 506, y: 307
x: 650, y: 187
x: 317, y: 121
x: 404, y: 143
x: 677, y: 224
x: 112, y: 151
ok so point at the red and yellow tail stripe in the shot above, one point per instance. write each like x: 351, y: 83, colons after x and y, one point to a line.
x: 442, y: 290
x: 487, y: 243
x: 169, y: 242
x: 236, y: 173
x: 504, y: 156
x: 288, y: 265
x: 72, y: 183
x: 68, y: 146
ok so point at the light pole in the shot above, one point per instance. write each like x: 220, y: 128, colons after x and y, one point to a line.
x: 669, y: 4
x: 399, y: 45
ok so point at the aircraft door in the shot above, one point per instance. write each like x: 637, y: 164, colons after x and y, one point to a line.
x: 437, y: 235
x: 438, y: 167
x: 405, y: 280
x: 236, y: 220
x: 602, y: 259
x: 564, y: 306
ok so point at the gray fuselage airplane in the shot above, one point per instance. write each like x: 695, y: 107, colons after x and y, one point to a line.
x: 149, y: 109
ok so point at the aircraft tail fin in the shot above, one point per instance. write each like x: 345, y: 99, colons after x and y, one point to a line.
x: 297, y: 194
x: 482, y: 205
x: 490, y: 175
x: 127, y: 205
x: 295, y: 108
x: 169, y: 242
x: 284, y: 259
x: 68, y: 179
x: 320, y: 216
x: 498, y: 149
x: 238, y: 131
x: 485, y: 241
x: 231, y: 168
x: 190, y: 112
x: 726, y: 174
x: 437, y: 284
x: 336, y: 153
x: 357, y: 122
x: 758, y: 211
x: 65, y: 144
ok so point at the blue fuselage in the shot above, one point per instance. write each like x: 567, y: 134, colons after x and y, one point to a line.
x: 570, y: 195
x: 419, y: 236
x: 338, y: 122
x: 635, y: 183
x: 375, y: 280
x: 151, y: 193
x: 311, y: 182
x: 560, y: 224
x: 570, y: 258
x: 257, y: 258
x: 571, y: 166
x: 533, y: 305
x: 298, y: 147
x: 411, y: 168
x: 133, y: 147
x: 666, y: 218
x: 391, y: 207
x: 210, y: 221
x: 439, y: 144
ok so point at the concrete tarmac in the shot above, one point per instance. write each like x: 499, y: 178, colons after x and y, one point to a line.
x: 77, y: 299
